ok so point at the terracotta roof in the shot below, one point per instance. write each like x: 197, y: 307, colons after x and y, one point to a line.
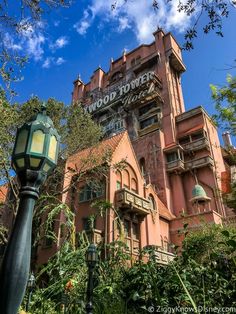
x: 3, y: 193
x: 163, y: 211
x: 191, y: 130
x: 94, y: 156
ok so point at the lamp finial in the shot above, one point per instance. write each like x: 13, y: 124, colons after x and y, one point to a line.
x: 44, y: 108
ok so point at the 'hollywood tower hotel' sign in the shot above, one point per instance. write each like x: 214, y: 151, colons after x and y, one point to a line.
x: 176, y: 149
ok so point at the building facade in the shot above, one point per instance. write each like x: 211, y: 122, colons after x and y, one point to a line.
x: 178, y: 151
x: 174, y: 169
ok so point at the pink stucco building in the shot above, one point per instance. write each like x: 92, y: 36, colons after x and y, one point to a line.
x: 173, y: 155
x: 174, y: 170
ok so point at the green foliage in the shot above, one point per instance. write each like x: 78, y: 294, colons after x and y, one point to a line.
x: 203, y: 276
x: 77, y: 131
x: 225, y: 103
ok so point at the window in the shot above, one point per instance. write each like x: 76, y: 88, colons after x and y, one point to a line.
x: 126, y: 179
x: 149, y: 121
x: 126, y: 228
x: 142, y: 166
x: 89, y: 192
x: 118, y: 185
x: 197, y: 136
x: 118, y: 125
x: 88, y: 223
x: 134, y: 186
x: 135, y: 61
x: 116, y: 76
x: 148, y: 107
x: 135, y: 231
x: 184, y: 140
x: 172, y: 157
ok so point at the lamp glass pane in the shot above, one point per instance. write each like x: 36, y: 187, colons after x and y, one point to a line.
x: 20, y: 163
x: 46, y: 167
x: 21, y: 141
x: 37, y: 142
x: 34, y: 162
x: 52, y: 148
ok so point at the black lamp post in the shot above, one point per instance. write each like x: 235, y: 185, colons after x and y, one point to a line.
x: 30, y: 286
x: 91, y: 260
x: 34, y: 156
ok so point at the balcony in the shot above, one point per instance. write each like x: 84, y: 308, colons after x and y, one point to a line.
x: 176, y: 61
x: 175, y: 166
x: 199, y: 163
x: 190, y: 113
x: 197, y: 145
x: 161, y: 256
x: 132, y: 202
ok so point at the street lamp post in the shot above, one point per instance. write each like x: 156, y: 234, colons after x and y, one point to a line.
x: 34, y: 156
x: 91, y: 260
x: 30, y: 286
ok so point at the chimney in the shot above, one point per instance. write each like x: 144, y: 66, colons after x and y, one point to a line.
x: 227, y: 139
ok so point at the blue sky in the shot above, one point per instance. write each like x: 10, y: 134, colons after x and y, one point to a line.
x: 77, y: 40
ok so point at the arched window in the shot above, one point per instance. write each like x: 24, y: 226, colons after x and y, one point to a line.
x: 118, y: 180
x: 142, y: 166
x: 126, y: 183
x: 134, y: 185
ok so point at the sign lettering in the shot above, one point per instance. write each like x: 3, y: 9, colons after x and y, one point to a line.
x: 123, y: 91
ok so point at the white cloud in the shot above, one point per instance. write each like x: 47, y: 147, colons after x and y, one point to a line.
x: 9, y: 43
x: 138, y: 15
x: 32, y: 39
x: 60, y: 61
x: 59, y: 43
x: 34, y: 46
x: 82, y: 26
x: 123, y: 24
x: 47, y: 63
x: 51, y: 61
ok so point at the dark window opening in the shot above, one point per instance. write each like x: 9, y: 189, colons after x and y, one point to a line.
x: 148, y: 107
x: 119, y: 125
x: 135, y: 231
x: 149, y: 121
x: 127, y: 228
x: 197, y: 136
x: 116, y: 77
x: 184, y: 140
x: 142, y: 166
x: 89, y: 223
x: 89, y: 192
x: 172, y: 157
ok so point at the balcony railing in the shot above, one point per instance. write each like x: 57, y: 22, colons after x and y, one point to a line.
x: 200, y: 162
x: 190, y: 113
x: 176, y: 165
x: 163, y: 257
x: 197, y: 144
x: 180, y: 165
x: 132, y: 202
